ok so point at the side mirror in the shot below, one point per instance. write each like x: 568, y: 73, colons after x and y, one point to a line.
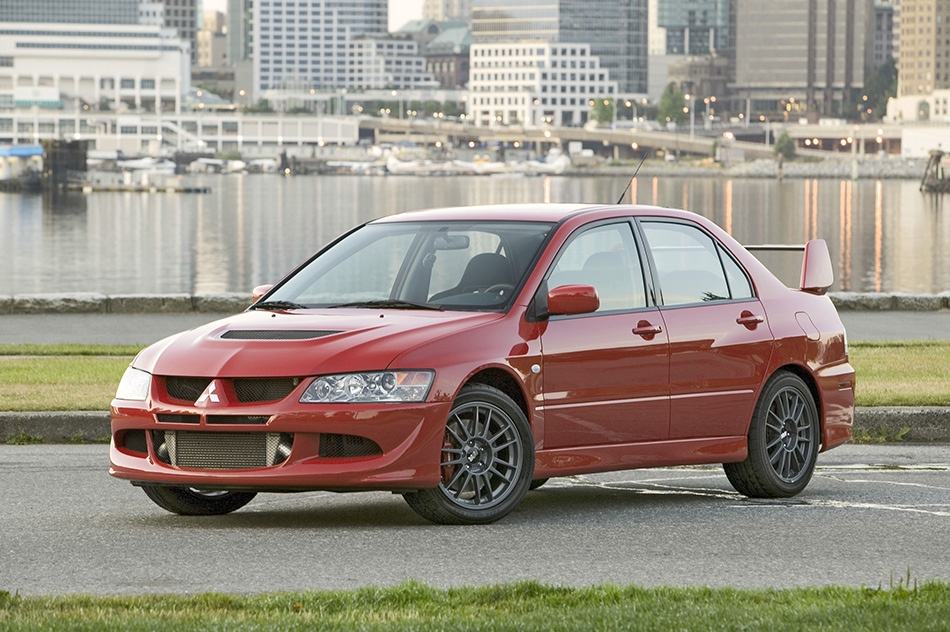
x: 571, y: 300
x: 259, y: 292
x: 817, y: 273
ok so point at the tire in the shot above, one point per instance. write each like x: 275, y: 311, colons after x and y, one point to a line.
x: 487, y: 460
x: 188, y: 501
x: 536, y: 483
x: 783, y: 441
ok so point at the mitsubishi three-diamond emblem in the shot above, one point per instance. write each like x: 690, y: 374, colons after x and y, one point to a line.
x: 210, y: 395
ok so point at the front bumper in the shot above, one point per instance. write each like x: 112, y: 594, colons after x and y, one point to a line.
x: 409, y: 439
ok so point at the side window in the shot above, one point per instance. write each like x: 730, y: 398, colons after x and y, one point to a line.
x: 687, y: 264
x: 606, y: 258
x: 738, y: 282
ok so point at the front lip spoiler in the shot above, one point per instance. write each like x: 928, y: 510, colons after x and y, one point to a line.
x: 271, y: 490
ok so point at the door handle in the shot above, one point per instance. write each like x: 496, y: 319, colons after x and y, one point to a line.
x: 749, y: 319
x: 647, y: 329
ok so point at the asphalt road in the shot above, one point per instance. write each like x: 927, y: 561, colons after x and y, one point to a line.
x: 145, y: 329
x: 870, y: 514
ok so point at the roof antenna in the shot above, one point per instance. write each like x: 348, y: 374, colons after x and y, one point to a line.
x: 644, y: 157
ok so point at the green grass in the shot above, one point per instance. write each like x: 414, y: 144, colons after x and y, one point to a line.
x: 69, y: 350
x: 905, y: 373
x: 522, y: 606
x: 84, y: 377
x: 59, y: 382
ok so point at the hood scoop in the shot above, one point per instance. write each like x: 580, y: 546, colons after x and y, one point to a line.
x: 276, y: 334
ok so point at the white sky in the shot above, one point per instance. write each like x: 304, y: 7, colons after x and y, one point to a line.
x: 400, y: 11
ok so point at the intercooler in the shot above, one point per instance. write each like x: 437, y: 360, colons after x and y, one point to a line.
x: 222, y: 450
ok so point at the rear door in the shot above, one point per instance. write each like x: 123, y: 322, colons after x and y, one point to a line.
x: 602, y: 382
x: 720, y: 341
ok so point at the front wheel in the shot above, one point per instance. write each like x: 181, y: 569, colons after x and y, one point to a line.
x: 486, y: 464
x: 189, y: 501
x: 783, y: 441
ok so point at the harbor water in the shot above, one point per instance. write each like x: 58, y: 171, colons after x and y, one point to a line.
x: 884, y: 235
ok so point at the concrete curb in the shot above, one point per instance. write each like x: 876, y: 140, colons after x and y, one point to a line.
x: 232, y: 302
x: 925, y: 424
x: 95, y: 303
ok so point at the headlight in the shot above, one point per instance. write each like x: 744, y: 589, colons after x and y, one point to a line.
x: 134, y: 385
x: 365, y: 388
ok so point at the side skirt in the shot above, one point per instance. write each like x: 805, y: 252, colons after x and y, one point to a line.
x: 630, y: 456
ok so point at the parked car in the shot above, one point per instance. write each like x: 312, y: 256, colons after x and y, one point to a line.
x: 461, y: 356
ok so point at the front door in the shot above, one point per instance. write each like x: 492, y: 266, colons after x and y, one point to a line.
x: 604, y: 374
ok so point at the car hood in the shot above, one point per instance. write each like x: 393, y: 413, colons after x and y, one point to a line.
x: 302, y: 343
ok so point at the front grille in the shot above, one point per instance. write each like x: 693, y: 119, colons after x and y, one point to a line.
x: 247, y: 389
x: 264, y: 389
x: 222, y: 450
x: 279, y: 334
x: 188, y: 389
x: 238, y: 419
x: 339, y: 446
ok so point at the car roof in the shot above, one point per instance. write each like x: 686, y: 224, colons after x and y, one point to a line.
x: 524, y: 212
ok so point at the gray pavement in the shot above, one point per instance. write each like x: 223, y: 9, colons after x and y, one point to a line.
x: 870, y: 514
x: 147, y: 328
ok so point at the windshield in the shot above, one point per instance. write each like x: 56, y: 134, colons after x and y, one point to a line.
x: 420, y: 265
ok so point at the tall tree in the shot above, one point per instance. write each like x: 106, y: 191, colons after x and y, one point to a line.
x: 672, y: 105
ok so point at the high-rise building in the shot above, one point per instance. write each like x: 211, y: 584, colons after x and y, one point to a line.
x: 694, y: 27
x: 212, y: 41
x: 803, y: 57
x: 923, y: 66
x: 444, y: 10
x: 303, y: 44
x: 614, y: 30
x: 182, y: 15
x: 240, y: 30
x: 886, y: 30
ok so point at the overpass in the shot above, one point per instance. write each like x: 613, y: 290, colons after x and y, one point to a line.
x: 625, y: 143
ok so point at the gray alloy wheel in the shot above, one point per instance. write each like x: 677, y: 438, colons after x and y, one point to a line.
x: 486, y: 461
x: 783, y: 441
x: 189, y: 501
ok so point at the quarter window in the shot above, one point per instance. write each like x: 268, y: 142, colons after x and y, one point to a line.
x: 606, y: 258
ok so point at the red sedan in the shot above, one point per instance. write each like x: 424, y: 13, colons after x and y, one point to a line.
x: 462, y: 356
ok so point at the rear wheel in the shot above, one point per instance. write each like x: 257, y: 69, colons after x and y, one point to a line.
x: 486, y: 463
x: 783, y: 441
x: 189, y: 501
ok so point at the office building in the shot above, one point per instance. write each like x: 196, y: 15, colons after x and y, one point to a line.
x: 444, y: 10
x: 614, y: 31
x: 71, y: 11
x: 240, y: 30
x: 923, y: 66
x: 212, y: 41
x: 802, y: 58
x: 82, y: 67
x: 377, y: 63
x: 694, y: 27
x: 304, y: 44
x: 535, y: 82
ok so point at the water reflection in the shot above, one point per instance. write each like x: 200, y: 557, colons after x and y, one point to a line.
x: 251, y: 229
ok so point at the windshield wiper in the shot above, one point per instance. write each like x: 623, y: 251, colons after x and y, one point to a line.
x: 389, y: 304
x: 277, y: 305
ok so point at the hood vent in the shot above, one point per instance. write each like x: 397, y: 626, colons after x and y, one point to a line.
x: 276, y: 334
